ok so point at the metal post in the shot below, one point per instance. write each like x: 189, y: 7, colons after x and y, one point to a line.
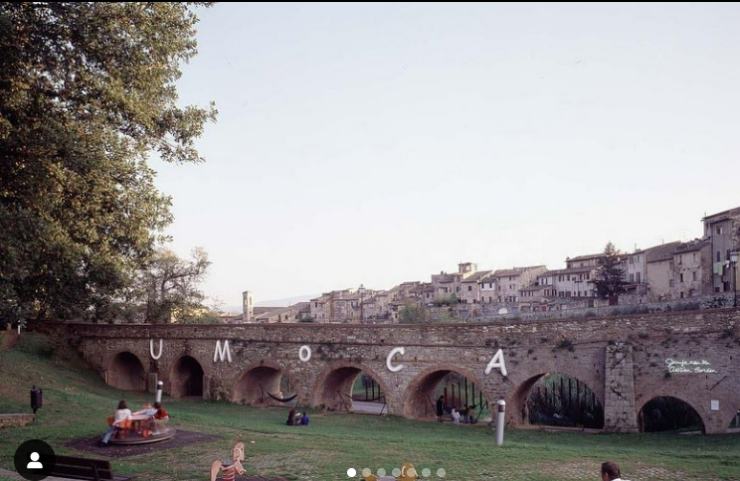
x: 158, y: 398
x: 500, y: 416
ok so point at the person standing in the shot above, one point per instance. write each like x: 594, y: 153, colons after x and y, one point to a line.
x: 440, y: 408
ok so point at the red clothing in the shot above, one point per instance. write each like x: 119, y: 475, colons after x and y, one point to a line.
x: 161, y: 414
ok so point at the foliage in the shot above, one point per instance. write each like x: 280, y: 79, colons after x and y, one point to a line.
x: 87, y: 90
x: 167, y: 289
x: 609, y: 280
x: 450, y: 300
x: 412, y: 313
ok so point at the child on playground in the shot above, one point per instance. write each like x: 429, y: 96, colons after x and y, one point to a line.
x: 122, y: 414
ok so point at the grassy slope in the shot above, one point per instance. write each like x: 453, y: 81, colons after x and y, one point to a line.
x: 77, y: 402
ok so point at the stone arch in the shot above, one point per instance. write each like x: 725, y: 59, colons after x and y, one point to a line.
x: 641, y: 414
x: 522, y: 386
x: 257, y: 382
x: 186, y: 378
x: 517, y: 402
x: 333, y: 388
x: 419, y: 402
x: 126, y: 372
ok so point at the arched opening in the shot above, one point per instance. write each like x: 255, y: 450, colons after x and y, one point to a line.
x: 126, y: 372
x: 458, y: 394
x: 667, y: 413
x: 556, y: 399
x: 263, y: 385
x: 187, y: 378
x: 351, y: 389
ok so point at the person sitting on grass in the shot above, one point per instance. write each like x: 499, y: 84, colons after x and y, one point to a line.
x: 122, y: 414
x: 610, y: 472
x: 455, y: 415
x: 291, y: 417
x: 304, y: 419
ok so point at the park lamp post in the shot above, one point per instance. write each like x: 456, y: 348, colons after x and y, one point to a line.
x: 500, y: 421
x: 158, y: 397
x: 733, y: 259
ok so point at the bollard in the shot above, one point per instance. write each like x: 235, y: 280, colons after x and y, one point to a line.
x: 37, y: 399
x: 500, y: 420
x: 159, y: 391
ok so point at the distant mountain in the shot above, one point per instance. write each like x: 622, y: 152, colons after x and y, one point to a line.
x: 288, y: 301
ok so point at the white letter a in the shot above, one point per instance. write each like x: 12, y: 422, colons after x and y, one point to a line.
x: 497, y: 361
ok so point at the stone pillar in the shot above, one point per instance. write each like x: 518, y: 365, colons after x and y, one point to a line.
x: 619, y: 390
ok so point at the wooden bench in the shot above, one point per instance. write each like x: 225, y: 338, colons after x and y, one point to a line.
x: 83, y: 468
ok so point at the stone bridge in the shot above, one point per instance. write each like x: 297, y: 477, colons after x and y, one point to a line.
x: 626, y: 361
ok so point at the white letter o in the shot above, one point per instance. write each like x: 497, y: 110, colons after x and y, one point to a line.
x: 304, y: 353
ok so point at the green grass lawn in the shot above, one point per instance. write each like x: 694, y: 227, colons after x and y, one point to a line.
x: 76, y: 403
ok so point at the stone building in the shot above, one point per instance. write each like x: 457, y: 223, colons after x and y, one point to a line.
x: 446, y: 285
x: 470, y: 288
x: 692, y: 275
x: 270, y: 315
x: 508, y: 282
x: 659, y: 271
x: 677, y: 270
x: 723, y: 233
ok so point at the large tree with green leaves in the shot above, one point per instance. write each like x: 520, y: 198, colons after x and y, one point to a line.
x: 609, y: 280
x: 87, y: 92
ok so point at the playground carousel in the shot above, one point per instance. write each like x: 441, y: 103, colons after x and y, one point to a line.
x: 141, y: 429
x: 149, y: 425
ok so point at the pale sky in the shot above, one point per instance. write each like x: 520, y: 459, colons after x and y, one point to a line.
x: 375, y: 144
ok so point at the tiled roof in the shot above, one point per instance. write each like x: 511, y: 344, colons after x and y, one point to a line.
x: 585, y: 257
x: 476, y: 277
x: 572, y: 270
x: 514, y: 271
x: 692, y: 246
x: 661, y: 252
x: 724, y: 213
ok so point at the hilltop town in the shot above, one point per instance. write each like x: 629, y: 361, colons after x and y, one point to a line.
x: 670, y: 275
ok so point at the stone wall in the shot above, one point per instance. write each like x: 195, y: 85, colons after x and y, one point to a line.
x: 625, y: 360
x: 15, y: 420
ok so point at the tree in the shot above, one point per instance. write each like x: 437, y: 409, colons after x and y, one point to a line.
x: 609, y: 280
x: 167, y: 289
x: 412, y: 314
x: 87, y: 91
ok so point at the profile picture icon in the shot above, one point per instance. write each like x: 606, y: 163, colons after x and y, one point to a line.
x: 34, y: 463
x: 34, y: 460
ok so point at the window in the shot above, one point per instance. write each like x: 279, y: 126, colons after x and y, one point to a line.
x: 693, y: 276
x: 637, y: 276
x: 717, y: 256
x: 681, y: 294
x: 719, y: 230
x: 670, y: 282
x: 470, y: 288
x: 681, y: 276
